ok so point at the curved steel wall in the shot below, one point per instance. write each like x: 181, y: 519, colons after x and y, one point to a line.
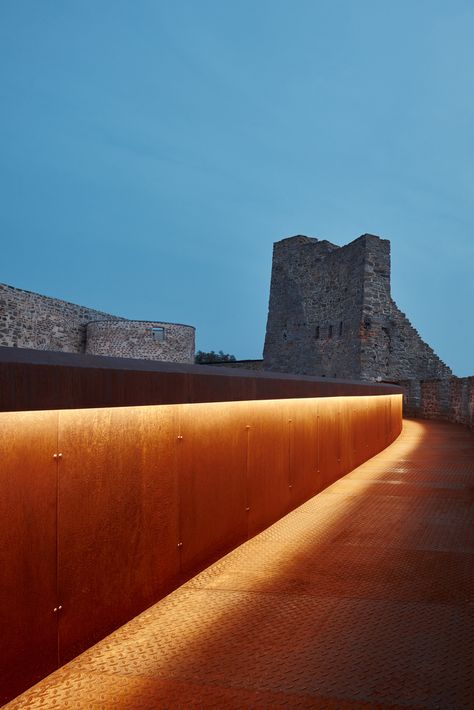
x: 103, y: 511
x: 35, y: 379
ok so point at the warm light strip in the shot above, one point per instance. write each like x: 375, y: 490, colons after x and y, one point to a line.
x: 123, y: 500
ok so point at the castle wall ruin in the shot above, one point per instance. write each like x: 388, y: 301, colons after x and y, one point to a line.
x: 173, y: 342
x: 31, y: 320
x: 448, y: 399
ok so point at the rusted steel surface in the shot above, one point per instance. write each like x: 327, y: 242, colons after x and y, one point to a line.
x: 147, y: 496
x: 34, y: 379
x: 305, y: 479
x: 329, y: 449
x: 375, y: 426
x: 345, y: 449
x: 118, y: 518
x: 268, y: 468
x: 359, y: 599
x: 28, y: 482
x: 212, y: 461
x: 205, y: 385
x: 359, y: 430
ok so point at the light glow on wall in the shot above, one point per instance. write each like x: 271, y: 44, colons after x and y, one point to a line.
x: 103, y: 511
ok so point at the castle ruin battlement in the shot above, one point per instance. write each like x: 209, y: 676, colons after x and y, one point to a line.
x: 331, y: 314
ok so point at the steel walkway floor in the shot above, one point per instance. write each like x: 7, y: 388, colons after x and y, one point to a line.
x: 360, y: 598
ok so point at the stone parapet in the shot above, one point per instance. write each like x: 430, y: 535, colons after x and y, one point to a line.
x: 447, y: 399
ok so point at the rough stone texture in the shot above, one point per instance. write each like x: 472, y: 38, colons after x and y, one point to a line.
x: 30, y: 320
x: 135, y: 339
x: 331, y: 314
x: 448, y: 399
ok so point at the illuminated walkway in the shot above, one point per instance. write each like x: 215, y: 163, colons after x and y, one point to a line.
x: 361, y: 598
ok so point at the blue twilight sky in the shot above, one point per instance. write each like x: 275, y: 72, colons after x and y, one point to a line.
x: 153, y: 150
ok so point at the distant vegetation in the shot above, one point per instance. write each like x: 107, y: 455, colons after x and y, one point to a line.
x: 202, y: 357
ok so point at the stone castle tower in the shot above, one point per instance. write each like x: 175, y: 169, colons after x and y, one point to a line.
x: 331, y: 314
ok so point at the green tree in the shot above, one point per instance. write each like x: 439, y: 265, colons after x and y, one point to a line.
x: 202, y: 357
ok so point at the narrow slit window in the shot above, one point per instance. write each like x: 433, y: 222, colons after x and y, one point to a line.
x: 316, y: 333
x: 340, y: 328
x: 330, y: 332
x: 158, y: 334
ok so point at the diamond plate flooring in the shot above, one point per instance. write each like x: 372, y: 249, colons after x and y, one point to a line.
x: 361, y: 598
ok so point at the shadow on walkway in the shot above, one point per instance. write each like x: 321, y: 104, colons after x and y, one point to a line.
x: 361, y: 597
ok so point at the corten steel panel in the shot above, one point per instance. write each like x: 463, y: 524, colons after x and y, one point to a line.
x: 212, y: 388
x: 28, y: 485
x: 396, y: 416
x: 82, y: 387
x: 154, y: 388
x: 384, y: 422
x: 212, y: 472
x: 329, y: 444
x: 336, y: 607
x: 304, y: 476
x: 119, y: 497
x: 381, y: 407
x: 118, y: 518
x: 371, y: 443
x: 359, y: 430
x: 32, y: 380
x: 377, y: 425
x: 372, y: 412
x: 267, y: 388
x: 345, y: 424
x: 388, y: 421
x: 384, y: 417
x: 397, y: 413
x: 269, y: 493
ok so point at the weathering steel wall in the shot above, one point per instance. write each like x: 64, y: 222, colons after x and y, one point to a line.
x: 103, y: 511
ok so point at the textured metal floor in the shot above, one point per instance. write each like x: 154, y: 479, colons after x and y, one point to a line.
x: 361, y: 598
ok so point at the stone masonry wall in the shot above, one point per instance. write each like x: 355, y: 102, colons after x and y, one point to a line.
x: 448, y: 399
x: 135, y: 339
x: 315, y: 308
x: 391, y: 348
x: 331, y: 314
x: 30, y: 320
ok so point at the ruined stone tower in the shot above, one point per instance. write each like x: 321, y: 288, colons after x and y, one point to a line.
x: 331, y: 314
